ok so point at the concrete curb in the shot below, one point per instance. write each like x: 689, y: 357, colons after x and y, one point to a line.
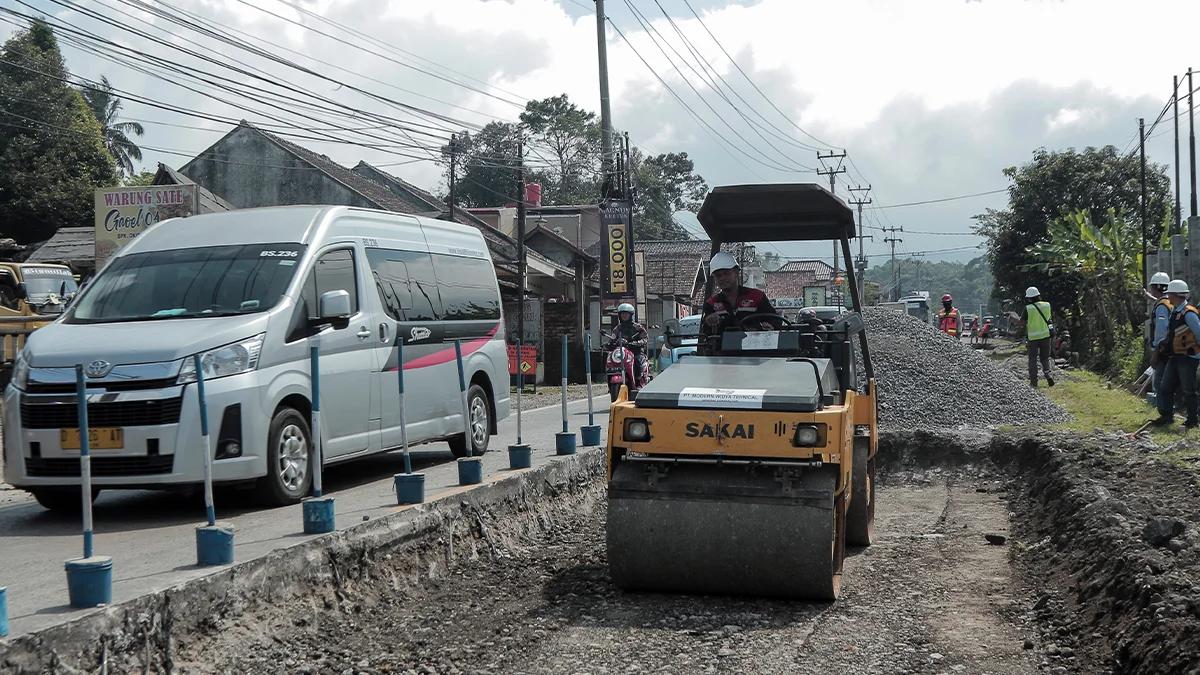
x: 145, y: 628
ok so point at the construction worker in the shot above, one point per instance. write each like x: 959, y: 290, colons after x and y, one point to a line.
x: 1157, y: 289
x: 949, y: 321
x: 1038, y: 329
x: 731, y: 303
x: 1183, y: 351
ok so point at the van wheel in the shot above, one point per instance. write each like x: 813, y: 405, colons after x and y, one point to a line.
x: 289, y: 459
x: 63, y: 500
x: 475, y: 442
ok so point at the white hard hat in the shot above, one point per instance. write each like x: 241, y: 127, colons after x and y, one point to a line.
x: 1160, y: 279
x: 1177, y: 286
x: 722, y: 261
x: 1032, y: 292
x: 624, y: 307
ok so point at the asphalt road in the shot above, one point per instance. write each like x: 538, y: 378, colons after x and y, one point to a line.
x: 150, y: 535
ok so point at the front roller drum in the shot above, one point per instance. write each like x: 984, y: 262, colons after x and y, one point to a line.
x: 860, y: 516
x: 726, y: 530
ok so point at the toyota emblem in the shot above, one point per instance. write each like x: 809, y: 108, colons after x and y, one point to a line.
x: 97, y: 369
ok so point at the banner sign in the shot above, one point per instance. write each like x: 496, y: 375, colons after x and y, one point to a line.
x: 616, y: 261
x: 528, y: 362
x: 787, y: 303
x: 815, y: 296
x: 123, y: 213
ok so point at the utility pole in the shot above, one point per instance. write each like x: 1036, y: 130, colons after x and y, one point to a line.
x: 606, y: 141
x: 1192, y: 143
x: 862, y: 258
x: 453, y: 157
x: 1178, y: 211
x: 521, y: 254
x: 1142, y: 202
x: 895, y: 272
x: 832, y: 172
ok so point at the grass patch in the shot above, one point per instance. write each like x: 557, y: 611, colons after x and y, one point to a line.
x: 1097, y: 404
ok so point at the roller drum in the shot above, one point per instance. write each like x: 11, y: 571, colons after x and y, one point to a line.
x: 727, y: 530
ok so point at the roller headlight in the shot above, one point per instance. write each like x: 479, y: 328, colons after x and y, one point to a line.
x: 807, y: 435
x: 637, y: 430
x: 232, y: 359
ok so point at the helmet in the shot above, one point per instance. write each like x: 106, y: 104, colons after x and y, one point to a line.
x: 1160, y: 279
x: 807, y: 312
x: 722, y: 261
x: 947, y: 298
x: 624, y: 307
x: 1177, y: 286
x: 1032, y: 292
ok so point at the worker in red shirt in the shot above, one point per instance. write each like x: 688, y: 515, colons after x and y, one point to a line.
x: 949, y: 321
x: 732, y: 303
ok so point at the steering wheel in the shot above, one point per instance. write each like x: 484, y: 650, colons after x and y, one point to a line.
x: 760, y: 316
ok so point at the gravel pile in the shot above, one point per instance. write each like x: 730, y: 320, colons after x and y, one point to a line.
x: 928, y: 379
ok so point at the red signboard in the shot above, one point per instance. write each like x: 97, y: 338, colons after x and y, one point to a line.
x: 528, y: 365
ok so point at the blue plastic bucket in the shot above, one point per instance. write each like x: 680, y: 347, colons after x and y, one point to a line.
x: 214, y: 544
x: 318, y: 515
x: 564, y: 443
x: 89, y: 581
x: 590, y: 434
x: 410, y: 488
x: 470, y: 471
x: 520, y: 456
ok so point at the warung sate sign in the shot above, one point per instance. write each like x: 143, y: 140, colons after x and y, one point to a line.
x: 123, y: 213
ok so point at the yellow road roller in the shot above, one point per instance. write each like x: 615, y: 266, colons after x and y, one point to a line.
x: 748, y: 468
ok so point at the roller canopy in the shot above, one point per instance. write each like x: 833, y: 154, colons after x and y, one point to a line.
x: 775, y: 212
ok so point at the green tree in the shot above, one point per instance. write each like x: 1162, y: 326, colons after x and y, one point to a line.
x: 487, y: 164
x: 52, y: 153
x: 664, y: 184
x: 573, y: 137
x: 1055, y: 184
x: 139, y: 179
x: 106, y: 106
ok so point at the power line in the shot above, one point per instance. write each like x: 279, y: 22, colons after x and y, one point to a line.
x: 943, y: 199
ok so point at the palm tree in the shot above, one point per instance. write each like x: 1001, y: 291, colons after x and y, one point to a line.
x: 107, y: 107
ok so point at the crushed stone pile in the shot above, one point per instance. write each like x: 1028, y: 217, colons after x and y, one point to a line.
x: 929, y: 380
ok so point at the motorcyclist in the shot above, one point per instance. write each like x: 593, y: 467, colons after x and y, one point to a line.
x: 634, y: 335
x: 732, y: 302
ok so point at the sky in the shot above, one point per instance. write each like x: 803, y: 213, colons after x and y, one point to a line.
x: 929, y: 98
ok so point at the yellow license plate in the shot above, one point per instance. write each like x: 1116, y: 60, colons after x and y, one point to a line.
x: 100, y: 438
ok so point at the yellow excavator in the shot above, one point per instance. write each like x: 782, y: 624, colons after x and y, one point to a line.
x: 747, y: 470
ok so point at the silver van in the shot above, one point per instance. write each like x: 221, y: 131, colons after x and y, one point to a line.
x: 250, y: 291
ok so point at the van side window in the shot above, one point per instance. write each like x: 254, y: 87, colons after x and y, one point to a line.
x: 469, y: 291
x: 406, y: 284
x: 334, y: 271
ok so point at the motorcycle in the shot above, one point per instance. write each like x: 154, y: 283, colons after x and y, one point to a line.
x: 619, y: 369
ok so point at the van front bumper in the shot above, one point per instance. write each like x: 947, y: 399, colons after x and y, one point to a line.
x: 162, y: 442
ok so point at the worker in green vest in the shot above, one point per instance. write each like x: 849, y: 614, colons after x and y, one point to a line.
x: 1038, y: 329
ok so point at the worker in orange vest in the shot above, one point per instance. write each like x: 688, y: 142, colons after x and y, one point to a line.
x: 949, y: 321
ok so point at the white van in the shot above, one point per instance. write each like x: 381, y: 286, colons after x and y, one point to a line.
x: 250, y: 291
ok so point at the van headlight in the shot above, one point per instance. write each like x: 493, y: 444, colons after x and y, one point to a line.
x: 637, y: 430
x: 20, y: 373
x: 232, y: 359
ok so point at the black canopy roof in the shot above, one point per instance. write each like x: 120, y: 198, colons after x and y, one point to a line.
x: 775, y: 212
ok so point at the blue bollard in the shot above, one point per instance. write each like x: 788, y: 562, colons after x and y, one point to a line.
x: 3, y: 612
x: 214, y: 544
x: 470, y: 471
x: 318, y: 509
x: 89, y: 581
x: 318, y: 515
x: 590, y: 432
x: 410, y: 488
x: 564, y: 441
x: 520, y: 456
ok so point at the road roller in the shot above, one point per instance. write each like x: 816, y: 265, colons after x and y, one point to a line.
x: 747, y: 468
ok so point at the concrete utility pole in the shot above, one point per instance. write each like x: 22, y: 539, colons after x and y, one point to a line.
x: 861, y: 265
x: 1192, y: 143
x: 521, y: 252
x: 1142, y: 201
x: 453, y: 157
x: 832, y: 172
x: 895, y: 271
x: 606, y: 129
x: 1178, y: 210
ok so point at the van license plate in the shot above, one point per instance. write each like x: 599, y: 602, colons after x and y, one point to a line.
x: 100, y: 438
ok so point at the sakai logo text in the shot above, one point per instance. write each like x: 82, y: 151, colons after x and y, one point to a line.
x: 697, y: 430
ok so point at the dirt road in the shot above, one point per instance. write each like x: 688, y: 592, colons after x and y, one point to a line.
x: 931, y: 596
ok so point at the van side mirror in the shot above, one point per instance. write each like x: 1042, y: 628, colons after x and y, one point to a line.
x: 334, y: 308
x: 22, y: 291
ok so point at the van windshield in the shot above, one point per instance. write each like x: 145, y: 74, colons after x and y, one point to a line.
x: 190, y: 282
